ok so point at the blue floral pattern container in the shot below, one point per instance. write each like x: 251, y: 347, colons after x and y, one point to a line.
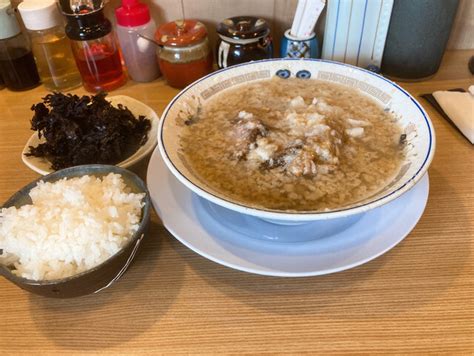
x: 293, y: 47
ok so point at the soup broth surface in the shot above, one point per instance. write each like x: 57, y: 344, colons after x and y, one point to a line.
x: 293, y: 144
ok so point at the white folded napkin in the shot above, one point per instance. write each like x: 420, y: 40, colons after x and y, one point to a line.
x: 460, y: 109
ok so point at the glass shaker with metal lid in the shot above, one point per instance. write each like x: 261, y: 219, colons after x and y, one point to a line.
x: 243, y: 39
x: 185, y: 55
x: 93, y: 44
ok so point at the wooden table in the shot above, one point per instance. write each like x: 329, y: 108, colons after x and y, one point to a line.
x: 416, y: 298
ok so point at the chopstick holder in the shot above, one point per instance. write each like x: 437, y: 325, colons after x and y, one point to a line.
x: 457, y: 107
x: 300, y: 40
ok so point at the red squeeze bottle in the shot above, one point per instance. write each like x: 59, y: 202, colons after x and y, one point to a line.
x: 134, y: 26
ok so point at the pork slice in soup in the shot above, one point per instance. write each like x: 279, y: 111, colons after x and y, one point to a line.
x: 293, y: 144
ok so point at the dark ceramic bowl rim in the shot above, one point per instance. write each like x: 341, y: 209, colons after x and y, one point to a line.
x: 89, y: 169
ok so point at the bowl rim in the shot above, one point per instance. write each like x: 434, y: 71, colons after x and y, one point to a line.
x: 56, y: 175
x: 299, y: 215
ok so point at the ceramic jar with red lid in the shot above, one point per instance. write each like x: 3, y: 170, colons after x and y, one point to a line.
x: 186, y: 55
x: 243, y: 39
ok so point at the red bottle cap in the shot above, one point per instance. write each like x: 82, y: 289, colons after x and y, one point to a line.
x: 181, y: 33
x: 132, y: 13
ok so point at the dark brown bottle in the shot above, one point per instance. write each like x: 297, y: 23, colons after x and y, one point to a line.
x: 17, y: 64
x: 18, y: 69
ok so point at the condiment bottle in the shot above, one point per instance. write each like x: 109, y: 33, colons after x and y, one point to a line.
x: 134, y: 28
x: 243, y: 39
x: 51, y: 47
x: 17, y: 64
x: 93, y: 44
x: 186, y: 55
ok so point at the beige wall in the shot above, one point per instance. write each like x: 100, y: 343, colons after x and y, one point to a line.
x: 279, y: 14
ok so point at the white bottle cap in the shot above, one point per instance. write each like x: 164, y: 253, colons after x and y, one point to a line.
x: 8, y: 24
x: 40, y: 14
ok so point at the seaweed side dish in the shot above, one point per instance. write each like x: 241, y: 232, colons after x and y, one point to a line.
x: 85, y: 130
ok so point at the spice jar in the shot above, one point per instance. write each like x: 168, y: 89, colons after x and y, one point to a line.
x: 185, y: 55
x: 243, y: 39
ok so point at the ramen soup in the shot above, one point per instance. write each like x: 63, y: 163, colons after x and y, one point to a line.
x: 293, y: 144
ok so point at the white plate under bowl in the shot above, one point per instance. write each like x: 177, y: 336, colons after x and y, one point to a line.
x: 43, y: 166
x: 220, y: 236
x: 415, y: 124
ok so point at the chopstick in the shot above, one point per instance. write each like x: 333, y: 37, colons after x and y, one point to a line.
x: 306, y: 16
x: 298, y: 17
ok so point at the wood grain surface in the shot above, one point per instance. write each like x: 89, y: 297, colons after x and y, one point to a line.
x: 417, y: 298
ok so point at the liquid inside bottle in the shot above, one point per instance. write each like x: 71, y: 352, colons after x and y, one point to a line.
x: 17, y: 64
x: 99, y: 63
x: 18, y: 69
x: 93, y: 44
x: 55, y: 61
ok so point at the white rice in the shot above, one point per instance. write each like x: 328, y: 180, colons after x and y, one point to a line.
x: 73, y: 225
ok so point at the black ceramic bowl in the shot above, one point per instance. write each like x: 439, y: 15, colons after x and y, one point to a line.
x: 106, y: 273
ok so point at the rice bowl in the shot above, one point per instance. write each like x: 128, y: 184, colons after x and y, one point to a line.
x: 102, y: 269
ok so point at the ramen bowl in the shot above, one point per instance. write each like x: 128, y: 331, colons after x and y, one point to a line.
x: 417, y: 131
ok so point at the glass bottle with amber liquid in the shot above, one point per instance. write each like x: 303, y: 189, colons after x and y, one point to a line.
x: 93, y: 44
x: 51, y: 47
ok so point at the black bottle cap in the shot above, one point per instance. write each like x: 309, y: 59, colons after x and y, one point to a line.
x: 80, y: 7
